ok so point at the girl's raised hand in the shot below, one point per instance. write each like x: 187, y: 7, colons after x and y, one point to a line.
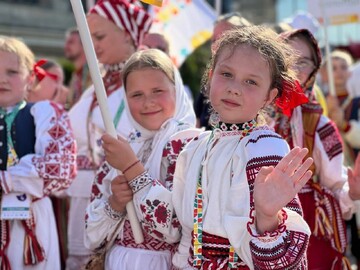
x: 275, y: 187
x: 354, y: 180
x: 118, y: 152
x: 121, y: 193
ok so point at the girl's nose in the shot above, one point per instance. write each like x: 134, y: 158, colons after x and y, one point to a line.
x: 234, y: 89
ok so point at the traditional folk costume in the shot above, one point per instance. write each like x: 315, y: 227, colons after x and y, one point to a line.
x: 158, y: 151
x: 211, y: 215
x: 213, y: 201
x: 38, y: 158
x: 80, y: 82
x: 88, y: 124
x: 88, y: 128
x: 351, y: 144
x: 324, y: 198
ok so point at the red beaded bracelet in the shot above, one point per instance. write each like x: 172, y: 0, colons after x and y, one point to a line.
x: 132, y: 165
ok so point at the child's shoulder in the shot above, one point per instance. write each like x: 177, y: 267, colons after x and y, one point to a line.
x: 47, y: 109
x: 265, y: 140
x: 186, y: 134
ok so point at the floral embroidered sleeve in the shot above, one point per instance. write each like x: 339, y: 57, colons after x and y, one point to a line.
x: 153, y: 197
x: 101, y: 220
x: 53, y: 166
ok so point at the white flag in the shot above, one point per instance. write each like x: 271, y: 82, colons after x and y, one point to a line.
x: 186, y: 24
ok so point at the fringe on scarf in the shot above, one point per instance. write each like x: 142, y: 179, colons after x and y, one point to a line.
x: 33, y: 251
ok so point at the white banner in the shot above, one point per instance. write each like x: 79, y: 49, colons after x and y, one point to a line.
x: 187, y: 24
x: 336, y: 11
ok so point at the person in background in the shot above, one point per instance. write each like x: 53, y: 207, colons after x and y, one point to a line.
x: 117, y: 28
x: 344, y: 110
x: 80, y: 79
x: 223, y: 23
x: 48, y: 83
x: 326, y: 199
x: 37, y: 159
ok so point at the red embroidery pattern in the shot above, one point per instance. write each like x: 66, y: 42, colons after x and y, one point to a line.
x: 98, y: 181
x: 331, y: 140
x: 215, y: 253
x: 58, y: 165
x: 149, y: 243
x: 290, y: 252
x: 171, y: 152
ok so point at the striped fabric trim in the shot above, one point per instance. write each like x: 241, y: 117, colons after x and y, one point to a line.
x: 331, y: 140
x: 127, y: 16
x: 5, y: 181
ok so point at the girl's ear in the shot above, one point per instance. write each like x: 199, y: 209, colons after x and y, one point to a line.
x: 30, y: 81
x: 210, y: 74
x: 272, y: 95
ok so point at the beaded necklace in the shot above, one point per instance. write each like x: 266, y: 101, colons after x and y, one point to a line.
x: 242, y: 130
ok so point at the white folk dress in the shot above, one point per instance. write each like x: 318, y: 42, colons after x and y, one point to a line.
x: 88, y: 128
x: 49, y: 170
x: 228, y: 174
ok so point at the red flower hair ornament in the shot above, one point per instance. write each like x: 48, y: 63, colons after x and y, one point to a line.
x: 292, y: 96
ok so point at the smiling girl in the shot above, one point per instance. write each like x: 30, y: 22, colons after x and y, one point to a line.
x: 163, y: 117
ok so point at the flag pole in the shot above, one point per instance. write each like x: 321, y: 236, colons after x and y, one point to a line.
x: 218, y: 7
x: 329, y: 67
x: 101, y: 98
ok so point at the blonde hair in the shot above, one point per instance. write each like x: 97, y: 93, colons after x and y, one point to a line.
x: 23, y: 52
x: 151, y: 59
x: 271, y: 47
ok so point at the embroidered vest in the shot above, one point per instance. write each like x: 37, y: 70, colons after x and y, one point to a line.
x: 22, y: 133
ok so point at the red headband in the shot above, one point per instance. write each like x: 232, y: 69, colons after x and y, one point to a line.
x: 41, y: 73
x: 126, y: 15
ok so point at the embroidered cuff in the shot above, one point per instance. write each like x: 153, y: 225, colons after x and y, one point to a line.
x: 140, y: 181
x: 5, y: 181
x: 267, y: 236
x: 112, y: 213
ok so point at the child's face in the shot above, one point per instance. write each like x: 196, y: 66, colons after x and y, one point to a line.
x: 47, y: 88
x: 240, y: 85
x: 151, y: 97
x: 340, y: 71
x: 13, y: 80
x: 305, y: 64
x: 112, y: 45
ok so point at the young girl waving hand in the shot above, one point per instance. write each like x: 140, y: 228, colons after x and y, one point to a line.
x: 162, y: 114
x: 235, y: 208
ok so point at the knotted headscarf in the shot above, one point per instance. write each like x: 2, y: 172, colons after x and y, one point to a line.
x: 128, y: 16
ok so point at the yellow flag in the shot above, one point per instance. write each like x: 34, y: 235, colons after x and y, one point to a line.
x: 157, y: 3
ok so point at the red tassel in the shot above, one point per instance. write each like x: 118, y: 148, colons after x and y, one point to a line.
x: 5, y: 239
x: 33, y: 252
x: 4, y: 261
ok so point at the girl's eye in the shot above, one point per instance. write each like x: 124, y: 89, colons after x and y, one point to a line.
x: 12, y: 72
x: 135, y: 95
x: 251, y: 82
x: 158, y: 91
x: 226, y: 74
x: 99, y: 37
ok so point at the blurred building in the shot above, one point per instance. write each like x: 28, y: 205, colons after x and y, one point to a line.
x: 42, y: 23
